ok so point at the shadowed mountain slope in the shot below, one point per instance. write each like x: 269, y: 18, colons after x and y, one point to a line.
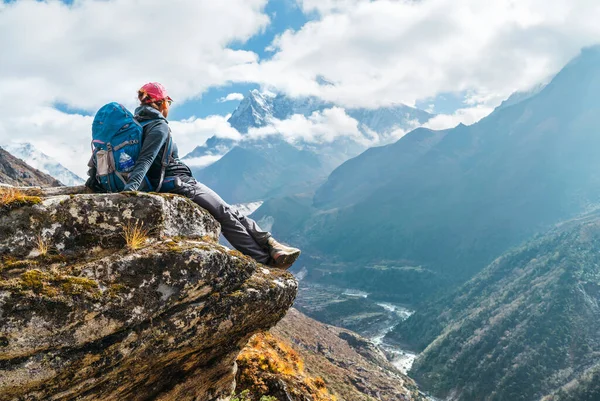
x: 526, y: 327
x: 16, y: 172
x: 453, y: 200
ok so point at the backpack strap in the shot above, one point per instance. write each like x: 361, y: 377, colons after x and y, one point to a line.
x: 111, y: 156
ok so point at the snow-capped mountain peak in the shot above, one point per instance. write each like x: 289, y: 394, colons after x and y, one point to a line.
x: 255, y: 110
x: 36, y: 159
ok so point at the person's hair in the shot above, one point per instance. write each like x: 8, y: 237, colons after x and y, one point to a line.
x: 145, y: 99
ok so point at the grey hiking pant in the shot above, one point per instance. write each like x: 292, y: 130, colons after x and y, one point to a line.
x: 242, y: 232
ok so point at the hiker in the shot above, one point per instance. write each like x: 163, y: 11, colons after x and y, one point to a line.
x: 158, y: 168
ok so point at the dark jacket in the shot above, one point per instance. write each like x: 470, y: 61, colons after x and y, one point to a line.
x: 156, y: 133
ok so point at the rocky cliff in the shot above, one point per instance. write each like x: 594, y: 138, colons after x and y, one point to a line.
x: 301, y: 359
x: 125, y: 297
x: 15, y: 171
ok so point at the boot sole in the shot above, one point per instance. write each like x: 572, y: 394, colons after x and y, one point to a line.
x: 286, y: 260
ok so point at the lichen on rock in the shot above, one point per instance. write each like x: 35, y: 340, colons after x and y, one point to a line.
x: 93, y: 320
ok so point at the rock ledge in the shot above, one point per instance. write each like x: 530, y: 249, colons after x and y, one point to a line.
x: 88, y: 319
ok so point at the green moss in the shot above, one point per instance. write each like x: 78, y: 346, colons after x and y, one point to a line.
x: 173, y: 246
x: 51, y: 258
x: 183, y: 245
x: 203, y: 247
x: 17, y: 264
x: 78, y: 285
x: 53, y: 284
x: 115, y: 289
x: 236, y: 253
x: 166, y: 195
x: 32, y: 279
x: 208, y: 238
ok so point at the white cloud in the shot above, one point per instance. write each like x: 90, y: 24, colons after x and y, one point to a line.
x: 327, y: 6
x: 465, y: 116
x: 64, y: 137
x: 93, y: 52
x: 195, y: 131
x: 202, y: 161
x: 231, y: 97
x: 319, y: 127
x: 386, y: 51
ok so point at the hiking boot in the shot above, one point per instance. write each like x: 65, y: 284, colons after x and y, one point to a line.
x: 282, y: 256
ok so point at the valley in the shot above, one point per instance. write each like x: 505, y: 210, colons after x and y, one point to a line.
x: 412, y: 188
x: 356, y: 311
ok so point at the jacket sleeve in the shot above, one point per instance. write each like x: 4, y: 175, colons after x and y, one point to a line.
x: 154, y: 139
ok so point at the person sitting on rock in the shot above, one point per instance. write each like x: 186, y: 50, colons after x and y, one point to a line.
x: 242, y: 232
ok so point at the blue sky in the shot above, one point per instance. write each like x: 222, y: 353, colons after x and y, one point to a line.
x: 284, y: 15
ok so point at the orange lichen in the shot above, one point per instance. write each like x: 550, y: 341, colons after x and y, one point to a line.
x: 266, y: 360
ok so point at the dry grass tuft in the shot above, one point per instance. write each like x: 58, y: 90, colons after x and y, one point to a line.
x: 11, y: 197
x: 42, y: 245
x: 135, y: 235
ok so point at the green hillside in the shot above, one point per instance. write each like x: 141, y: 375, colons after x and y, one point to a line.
x: 523, y: 328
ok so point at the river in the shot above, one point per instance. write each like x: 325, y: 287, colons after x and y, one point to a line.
x: 355, y: 310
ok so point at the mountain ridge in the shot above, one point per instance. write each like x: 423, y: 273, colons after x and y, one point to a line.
x: 470, y: 192
x: 15, y: 172
x: 37, y: 159
x: 259, y: 109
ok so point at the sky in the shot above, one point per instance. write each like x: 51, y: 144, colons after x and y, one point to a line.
x: 62, y: 60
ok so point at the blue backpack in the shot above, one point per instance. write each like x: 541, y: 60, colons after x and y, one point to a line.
x: 116, y: 145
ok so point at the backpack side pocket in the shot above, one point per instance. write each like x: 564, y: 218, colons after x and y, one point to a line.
x: 103, y: 163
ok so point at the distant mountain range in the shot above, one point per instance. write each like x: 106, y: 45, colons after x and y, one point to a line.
x: 15, y: 172
x: 36, y: 159
x: 451, y: 201
x: 266, y: 167
x: 418, y: 221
